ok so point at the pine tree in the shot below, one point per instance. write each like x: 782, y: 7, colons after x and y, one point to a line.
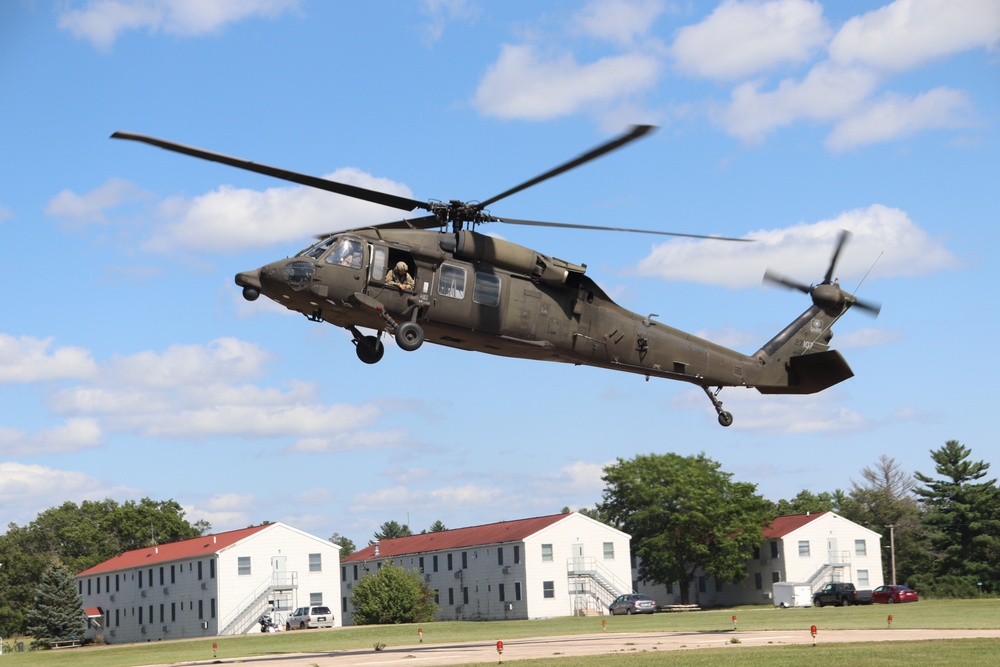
x: 57, y: 614
x: 962, y: 518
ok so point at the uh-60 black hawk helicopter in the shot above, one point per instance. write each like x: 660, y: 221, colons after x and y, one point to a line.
x: 475, y: 292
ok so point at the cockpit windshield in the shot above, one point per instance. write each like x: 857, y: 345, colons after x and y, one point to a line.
x: 317, y: 250
x: 345, y: 252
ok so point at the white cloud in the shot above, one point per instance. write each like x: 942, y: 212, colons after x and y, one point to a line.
x: 25, y: 359
x: 896, y: 116
x: 825, y: 94
x: 91, y: 207
x: 26, y: 490
x: 908, y: 33
x: 73, y: 436
x: 803, y: 252
x: 102, y: 21
x: 236, y: 219
x: 442, y: 12
x: 523, y: 84
x: 621, y: 22
x: 5, y: 214
x: 740, y: 39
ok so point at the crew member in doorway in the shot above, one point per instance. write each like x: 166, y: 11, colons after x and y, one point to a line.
x: 400, y: 277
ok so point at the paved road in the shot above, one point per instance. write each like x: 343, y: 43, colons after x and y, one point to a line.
x: 426, y: 655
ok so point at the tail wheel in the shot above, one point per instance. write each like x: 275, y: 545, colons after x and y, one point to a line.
x: 369, y: 349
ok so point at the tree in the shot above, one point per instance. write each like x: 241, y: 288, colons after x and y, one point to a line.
x: 437, y: 527
x: 962, y: 517
x: 346, y: 544
x: 57, y: 614
x: 392, y: 595
x: 390, y: 530
x: 77, y: 537
x: 884, y: 503
x: 806, y: 502
x: 684, y: 515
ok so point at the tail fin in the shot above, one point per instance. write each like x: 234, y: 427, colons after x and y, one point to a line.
x: 799, y: 359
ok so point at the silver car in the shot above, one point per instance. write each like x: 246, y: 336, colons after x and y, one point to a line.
x: 310, y: 617
x: 632, y: 603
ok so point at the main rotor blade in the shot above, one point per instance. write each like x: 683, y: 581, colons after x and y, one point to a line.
x: 566, y: 225
x: 636, y: 132
x: 354, y: 191
x: 844, y: 235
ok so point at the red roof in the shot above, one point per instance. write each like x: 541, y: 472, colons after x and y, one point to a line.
x: 459, y: 538
x: 198, y: 546
x: 783, y: 525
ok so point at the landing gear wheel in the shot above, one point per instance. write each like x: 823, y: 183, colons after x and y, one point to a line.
x: 725, y: 418
x: 409, y: 336
x: 370, y: 349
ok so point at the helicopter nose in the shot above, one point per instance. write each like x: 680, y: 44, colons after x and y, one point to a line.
x: 250, y: 282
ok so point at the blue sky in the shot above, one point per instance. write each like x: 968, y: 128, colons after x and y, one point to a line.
x: 131, y: 366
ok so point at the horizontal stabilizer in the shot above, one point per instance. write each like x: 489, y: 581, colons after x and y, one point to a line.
x: 810, y: 373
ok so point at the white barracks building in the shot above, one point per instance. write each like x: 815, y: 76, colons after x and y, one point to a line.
x: 212, y: 585
x: 557, y: 565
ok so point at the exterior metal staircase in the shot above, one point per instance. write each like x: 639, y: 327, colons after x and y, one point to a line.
x: 839, y: 563
x: 249, y: 611
x: 592, y: 581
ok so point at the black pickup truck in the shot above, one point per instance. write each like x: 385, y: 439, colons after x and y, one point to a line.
x: 841, y: 594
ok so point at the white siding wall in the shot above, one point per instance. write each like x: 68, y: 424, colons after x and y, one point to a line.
x: 187, y: 601
x: 484, y: 575
x: 790, y: 566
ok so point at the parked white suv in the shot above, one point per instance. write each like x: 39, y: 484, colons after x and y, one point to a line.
x: 310, y: 617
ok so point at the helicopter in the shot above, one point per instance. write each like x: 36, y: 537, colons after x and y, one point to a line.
x: 463, y: 289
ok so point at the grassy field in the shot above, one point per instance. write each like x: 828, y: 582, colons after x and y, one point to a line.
x: 933, y: 614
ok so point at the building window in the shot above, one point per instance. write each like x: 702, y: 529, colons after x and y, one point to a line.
x: 199, y: 573
x: 88, y: 586
x: 487, y: 289
x: 315, y: 599
x: 140, y: 615
x: 434, y: 563
x: 343, y: 605
x: 803, y: 548
x: 517, y: 591
x: 546, y: 552
x: 173, y: 612
x: 860, y: 548
x: 355, y: 573
x: 609, y: 551
x: 465, y: 595
x: 211, y: 569
x: 775, y: 577
x: 548, y: 589
x: 242, y: 566
x: 172, y: 577
x: 465, y: 560
x: 140, y: 578
x: 499, y: 555
x: 718, y: 585
x: 756, y: 553
x: 774, y: 549
x: 517, y: 554
x: 702, y: 586
x: 450, y: 562
x: 421, y: 562
x: 501, y: 592
x: 863, y: 578
x: 451, y: 597
x: 117, y: 617
x: 315, y: 562
x: 201, y: 609
x: 758, y: 581
x: 437, y: 597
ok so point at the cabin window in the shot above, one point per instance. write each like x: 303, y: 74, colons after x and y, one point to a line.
x: 452, y: 281
x: 487, y: 289
x: 378, y: 264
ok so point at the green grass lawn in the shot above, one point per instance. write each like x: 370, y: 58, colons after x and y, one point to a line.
x: 983, y: 613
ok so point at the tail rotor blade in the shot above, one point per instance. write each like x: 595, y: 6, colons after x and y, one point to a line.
x: 779, y: 279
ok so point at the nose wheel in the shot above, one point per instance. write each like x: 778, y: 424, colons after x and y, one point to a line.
x: 725, y: 418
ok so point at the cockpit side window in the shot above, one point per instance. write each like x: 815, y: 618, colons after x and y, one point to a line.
x: 346, y: 252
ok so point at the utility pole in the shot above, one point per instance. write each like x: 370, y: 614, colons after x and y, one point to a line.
x: 892, y: 549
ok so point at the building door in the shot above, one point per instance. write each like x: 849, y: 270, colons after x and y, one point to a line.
x: 578, y: 562
x: 279, y: 577
x: 833, y: 556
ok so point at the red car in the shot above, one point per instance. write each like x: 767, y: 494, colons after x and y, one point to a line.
x: 891, y: 594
